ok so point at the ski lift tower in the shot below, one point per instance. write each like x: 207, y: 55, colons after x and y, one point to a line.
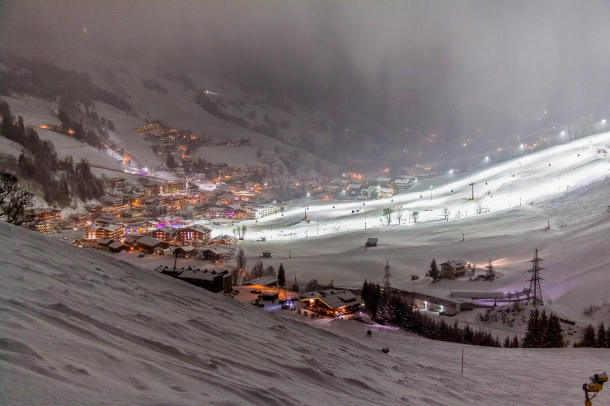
x: 386, y: 277
x: 535, y: 292
x: 472, y: 186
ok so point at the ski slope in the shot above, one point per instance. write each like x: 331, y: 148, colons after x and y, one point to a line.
x: 80, y: 327
x: 330, y: 245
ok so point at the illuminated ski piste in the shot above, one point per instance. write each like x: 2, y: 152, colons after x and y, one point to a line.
x: 534, y: 181
x: 330, y: 246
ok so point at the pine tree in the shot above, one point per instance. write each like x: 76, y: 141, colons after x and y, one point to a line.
x: 532, y: 334
x: 554, y: 333
x: 542, y: 328
x: 281, y: 276
x: 433, y: 272
x: 507, y: 343
x: 515, y: 343
x: 588, y: 339
x: 491, y: 272
x: 601, y: 336
x: 364, y: 293
x: 170, y: 162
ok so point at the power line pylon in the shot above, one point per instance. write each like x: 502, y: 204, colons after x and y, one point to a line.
x: 386, y: 277
x: 535, y: 292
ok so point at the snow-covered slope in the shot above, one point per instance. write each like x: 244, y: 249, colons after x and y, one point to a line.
x: 331, y: 245
x: 79, y: 327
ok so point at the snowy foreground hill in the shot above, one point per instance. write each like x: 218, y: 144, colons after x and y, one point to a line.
x: 79, y: 327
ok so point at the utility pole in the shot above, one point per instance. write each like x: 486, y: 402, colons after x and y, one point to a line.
x: 386, y: 277
x: 176, y: 252
x: 535, y: 288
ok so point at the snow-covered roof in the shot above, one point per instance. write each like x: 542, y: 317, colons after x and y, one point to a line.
x: 455, y: 263
x: 149, y: 241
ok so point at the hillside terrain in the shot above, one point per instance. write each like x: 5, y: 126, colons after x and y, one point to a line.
x: 79, y: 325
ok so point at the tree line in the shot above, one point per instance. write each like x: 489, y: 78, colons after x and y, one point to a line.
x: 47, y: 81
x: 60, y: 180
x: 387, y: 308
x: 542, y: 331
x: 596, y: 338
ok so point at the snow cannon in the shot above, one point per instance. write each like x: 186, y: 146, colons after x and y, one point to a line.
x: 595, y: 385
x: 386, y: 350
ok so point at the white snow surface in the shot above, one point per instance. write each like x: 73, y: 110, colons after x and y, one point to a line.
x: 330, y: 245
x: 79, y: 327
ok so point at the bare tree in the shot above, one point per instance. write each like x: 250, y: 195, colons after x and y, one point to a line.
x: 387, y: 213
x: 399, y: 216
x: 235, y: 275
x: 479, y: 207
x: 415, y: 216
x: 312, y: 286
x: 446, y: 212
x: 243, y: 231
x: 13, y: 199
x: 257, y: 271
x: 240, y: 260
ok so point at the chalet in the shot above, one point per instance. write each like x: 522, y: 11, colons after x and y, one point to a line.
x: 131, y: 214
x: 371, y: 242
x: 213, y: 255
x: 403, y: 183
x: 187, y: 251
x: 113, y: 231
x: 118, y: 246
x: 107, y: 220
x: 43, y: 214
x: 177, y: 186
x: 132, y: 240
x: 104, y: 242
x: 212, y: 280
x: 148, y: 244
x: 163, y: 234
x: 116, y: 182
x: 45, y: 226
x: 93, y: 208
x: 193, y: 233
x: 111, y: 201
x: 453, y: 268
x: 332, y: 302
x: 385, y: 193
x: 257, y: 212
x: 384, y: 182
x: 78, y: 219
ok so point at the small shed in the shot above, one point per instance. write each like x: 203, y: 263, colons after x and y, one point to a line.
x: 267, y: 254
x: 269, y: 295
x: 371, y: 242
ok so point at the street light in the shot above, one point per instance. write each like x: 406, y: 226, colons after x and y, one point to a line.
x: 431, y: 192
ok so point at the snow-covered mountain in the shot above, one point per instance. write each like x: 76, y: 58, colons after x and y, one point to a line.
x: 80, y: 327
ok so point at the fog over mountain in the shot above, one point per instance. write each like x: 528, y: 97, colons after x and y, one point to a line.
x: 422, y: 64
